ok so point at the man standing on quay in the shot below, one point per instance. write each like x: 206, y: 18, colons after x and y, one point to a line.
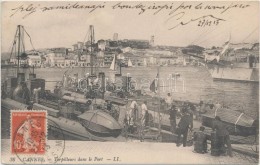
x: 222, y: 136
x: 183, y: 127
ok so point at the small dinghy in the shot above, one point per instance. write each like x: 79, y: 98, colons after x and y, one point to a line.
x: 100, y: 123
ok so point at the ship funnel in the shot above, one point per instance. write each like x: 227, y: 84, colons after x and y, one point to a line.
x: 102, y: 85
x: 32, y: 76
x: 20, y: 77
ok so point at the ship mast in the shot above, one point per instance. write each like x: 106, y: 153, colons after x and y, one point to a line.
x: 18, y: 53
x: 92, y: 40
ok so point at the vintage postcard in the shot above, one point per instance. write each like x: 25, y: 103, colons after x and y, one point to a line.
x: 130, y: 82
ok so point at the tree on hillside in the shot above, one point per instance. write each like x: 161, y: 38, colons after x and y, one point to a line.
x: 194, y: 49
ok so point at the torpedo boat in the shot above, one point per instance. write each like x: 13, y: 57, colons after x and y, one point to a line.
x: 73, y: 114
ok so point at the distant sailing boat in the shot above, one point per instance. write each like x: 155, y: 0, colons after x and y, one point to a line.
x: 129, y: 64
x: 113, y: 64
x: 113, y: 67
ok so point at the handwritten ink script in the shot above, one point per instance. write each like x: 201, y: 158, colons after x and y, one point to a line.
x: 177, y: 13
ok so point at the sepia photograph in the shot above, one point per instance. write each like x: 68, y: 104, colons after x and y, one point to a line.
x: 130, y: 82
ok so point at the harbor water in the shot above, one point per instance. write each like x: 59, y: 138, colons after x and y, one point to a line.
x: 185, y: 83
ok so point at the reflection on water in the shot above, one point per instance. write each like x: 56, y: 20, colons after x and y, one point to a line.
x: 194, y: 84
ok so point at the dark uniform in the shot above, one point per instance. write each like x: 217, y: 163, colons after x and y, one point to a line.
x: 183, y: 127
x: 25, y: 93
x: 200, y: 142
x: 173, y: 113
x: 222, y: 137
x: 109, y: 106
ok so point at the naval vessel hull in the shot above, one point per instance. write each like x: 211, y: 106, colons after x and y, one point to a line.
x: 59, y: 125
x: 239, y: 72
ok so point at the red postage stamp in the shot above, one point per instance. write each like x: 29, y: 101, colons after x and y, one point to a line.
x: 28, y: 132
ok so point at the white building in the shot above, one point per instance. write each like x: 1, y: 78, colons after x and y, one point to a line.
x: 102, y: 45
x: 34, y: 61
x: 152, y: 60
x: 159, y: 52
x: 85, y: 58
x: 15, y: 61
x: 83, y: 61
x: 55, y: 60
x: 100, y: 59
x: 70, y: 62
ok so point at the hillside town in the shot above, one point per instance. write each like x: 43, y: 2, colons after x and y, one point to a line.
x: 138, y: 52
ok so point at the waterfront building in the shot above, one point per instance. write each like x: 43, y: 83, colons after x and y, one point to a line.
x: 55, y: 59
x: 152, y: 60
x: 136, y: 61
x: 80, y: 45
x: 70, y: 62
x: 34, y: 60
x: 100, y: 59
x: 108, y: 58
x: 161, y: 53
x: 75, y: 47
x: 21, y: 61
x: 85, y: 58
x: 102, y: 45
x: 255, y: 46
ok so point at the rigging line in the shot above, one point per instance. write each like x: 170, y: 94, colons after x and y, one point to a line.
x: 209, y: 37
x: 236, y: 27
x: 14, y: 71
x: 11, y: 49
x: 196, y: 39
x: 199, y: 37
x: 23, y: 45
x: 85, y: 38
x: 213, y: 36
x: 208, y: 32
x: 22, y: 40
x: 30, y: 39
x: 220, y: 35
x: 206, y: 35
x: 14, y: 42
x: 251, y: 33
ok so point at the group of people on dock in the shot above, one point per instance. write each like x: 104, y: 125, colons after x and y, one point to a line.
x: 184, y: 127
x: 220, y: 132
x: 132, y: 115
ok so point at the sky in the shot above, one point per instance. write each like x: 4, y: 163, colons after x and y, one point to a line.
x: 63, y: 28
